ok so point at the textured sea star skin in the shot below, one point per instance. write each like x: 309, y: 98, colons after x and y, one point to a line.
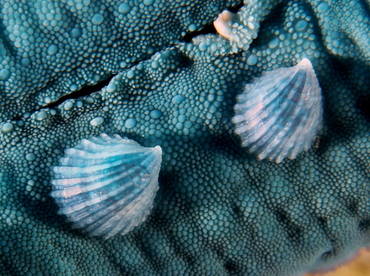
x: 218, y: 211
x: 52, y: 48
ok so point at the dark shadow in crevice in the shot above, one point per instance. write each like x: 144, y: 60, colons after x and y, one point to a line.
x: 292, y: 229
x: 6, y: 42
x: 236, y: 8
x: 275, y: 16
x: 365, y: 7
x: 84, y: 91
x: 208, y: 29
x: 364, y: 225
x: 233, y: 267
x: 363, y: 104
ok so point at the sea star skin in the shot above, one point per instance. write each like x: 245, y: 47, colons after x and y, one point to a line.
x: 218, y: 211
x: 65, y: 45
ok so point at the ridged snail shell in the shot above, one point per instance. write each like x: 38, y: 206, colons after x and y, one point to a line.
x: 280, y: 113
x: 106, y: 185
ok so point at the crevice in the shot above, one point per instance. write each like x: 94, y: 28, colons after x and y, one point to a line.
x: 236, y: 8
x: 276, y: 18
x: 363, y: 103
x: 232, y: 267
x: 365, y: 7
x: 364, y: 225
x: 7, y: 43
x: 84, y: 91
x: 293, y: 230
x: 208, y: 29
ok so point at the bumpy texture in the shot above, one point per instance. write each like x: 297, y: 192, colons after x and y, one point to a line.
x: 218, y: 211
x: 52, y: 48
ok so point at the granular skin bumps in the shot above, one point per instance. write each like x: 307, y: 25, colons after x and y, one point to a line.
x: 218, y: 210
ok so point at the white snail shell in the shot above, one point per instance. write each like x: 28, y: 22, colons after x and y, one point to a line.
x: 106, y: 185
x: 279, y: 114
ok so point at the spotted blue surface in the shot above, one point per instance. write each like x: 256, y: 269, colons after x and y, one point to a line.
x: 218, y: 211
x: 52, y: 48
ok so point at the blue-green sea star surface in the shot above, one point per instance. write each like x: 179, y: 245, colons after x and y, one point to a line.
x: 219, y: 210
